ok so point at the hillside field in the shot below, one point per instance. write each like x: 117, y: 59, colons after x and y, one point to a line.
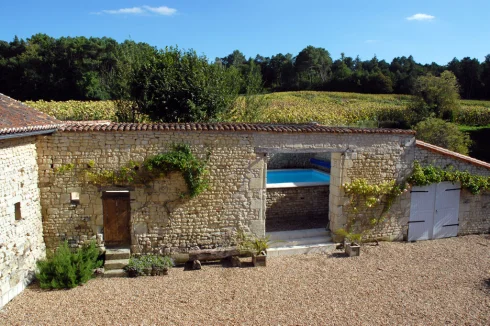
x: 329, y: 108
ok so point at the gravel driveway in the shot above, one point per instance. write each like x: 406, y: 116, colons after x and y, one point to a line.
x: 426, y: 283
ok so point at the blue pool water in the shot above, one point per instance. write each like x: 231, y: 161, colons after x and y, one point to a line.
x: 296, y: 178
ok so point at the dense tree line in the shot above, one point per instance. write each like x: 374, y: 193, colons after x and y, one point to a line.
x: 80, y: 68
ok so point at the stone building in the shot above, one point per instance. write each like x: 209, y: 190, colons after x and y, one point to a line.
x: 21, y: 230
x: 41, y: 169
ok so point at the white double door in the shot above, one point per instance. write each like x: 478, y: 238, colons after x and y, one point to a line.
x: 434, y: 211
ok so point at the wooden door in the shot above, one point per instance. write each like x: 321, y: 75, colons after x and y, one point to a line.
x: 116, y: 208
x: 446, y: 216
x: 421, y: 213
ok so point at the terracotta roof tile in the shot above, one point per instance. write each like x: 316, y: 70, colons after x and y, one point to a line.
x: 84, y: 126
x: 452, y: 154
x: 18, y: 118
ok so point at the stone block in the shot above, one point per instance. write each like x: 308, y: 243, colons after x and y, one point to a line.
x: 140, y: 228
x: 257, y: 204
x: 256, y: 183
x: 257, y: 227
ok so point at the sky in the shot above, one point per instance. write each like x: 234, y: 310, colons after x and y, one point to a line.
x: 430, y: 30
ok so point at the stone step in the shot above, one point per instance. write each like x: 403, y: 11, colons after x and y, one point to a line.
x: 297, y: 234
x: 302, y: 250
x: 115, y: 273
x: 114, y: 254
x: 115, y: 264
x: 300, y: 241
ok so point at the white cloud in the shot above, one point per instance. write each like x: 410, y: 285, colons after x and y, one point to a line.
x: 132, y: 11
x: 421, y: 17
x: 162, y: 10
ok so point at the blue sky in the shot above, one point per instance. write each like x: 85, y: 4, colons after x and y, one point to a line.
x: 430, y: 30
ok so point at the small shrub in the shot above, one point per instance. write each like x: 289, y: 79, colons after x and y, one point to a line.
x: 138, y: 265
x: 252, y: 243
x: 444, y: 134
x: 67, y: 269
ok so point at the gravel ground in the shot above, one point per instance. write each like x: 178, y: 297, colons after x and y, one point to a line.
x: 437, y: 282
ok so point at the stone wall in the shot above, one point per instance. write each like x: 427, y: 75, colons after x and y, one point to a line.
x: 426, y: 157
x: 474, y: 214
x: 236, y: 198
x: 21, y: 236
x: 297, y: 208
x: 474, y: 210
x: 391, y: 160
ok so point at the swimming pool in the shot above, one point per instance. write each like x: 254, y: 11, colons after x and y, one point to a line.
x: 296, y: 178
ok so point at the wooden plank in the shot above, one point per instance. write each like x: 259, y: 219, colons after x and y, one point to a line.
x: 124, y: 210
x: 213, y: 254
x: 110, y: 229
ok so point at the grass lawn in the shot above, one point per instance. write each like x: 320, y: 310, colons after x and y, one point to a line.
x: 440, y: 282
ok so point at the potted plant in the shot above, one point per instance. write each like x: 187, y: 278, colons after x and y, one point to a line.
x: 352, y: 249
x: 251, y: 245
x: 134, y: 267
x: 161, y: 265
x: 259, y: 246
x: 352, y: 242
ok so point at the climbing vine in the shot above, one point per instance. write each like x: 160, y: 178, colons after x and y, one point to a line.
x: 179, y: 159
x: 423, y: 176
x: 65, y: 168
x: 366, y: 199
x: 370, y: 203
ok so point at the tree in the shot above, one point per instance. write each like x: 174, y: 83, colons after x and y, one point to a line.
x: 235, y: 59
x: 180, y: 86
x: 377, y: 83
x: 468, y: 72
x: 252, y: 82
x: 315, y: 64
x: 436, y: 96
x: 444, y: 134
x: 485, y: 76
x: 81, y: 68
x: 281, y: 74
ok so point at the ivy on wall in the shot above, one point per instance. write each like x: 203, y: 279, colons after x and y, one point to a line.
x: 423, y: 176
x: 370, y: 204
x: 365, y: 197
x: 178, y: 159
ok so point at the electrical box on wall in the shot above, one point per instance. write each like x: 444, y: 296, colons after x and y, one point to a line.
x: 75, y: 198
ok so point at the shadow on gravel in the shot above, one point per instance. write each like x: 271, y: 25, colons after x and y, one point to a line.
x: 35, y: 287
x: 486, y: 285
x: 224, y: 263
x: 339, y: 255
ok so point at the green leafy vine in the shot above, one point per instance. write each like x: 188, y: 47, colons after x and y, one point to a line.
x: 179, y: 159
x: 64, y: 168
x: 365, y: 200
x: 365, y: 197
x: 423, y: 176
